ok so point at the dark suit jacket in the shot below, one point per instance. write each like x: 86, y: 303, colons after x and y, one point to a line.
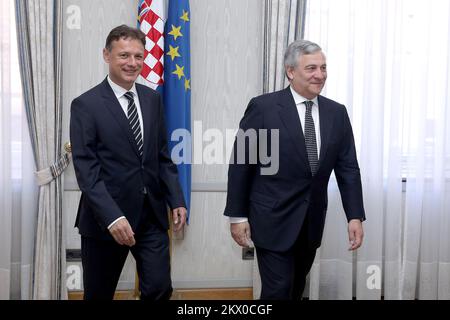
x: 110, y: 173
x: 276, y: 205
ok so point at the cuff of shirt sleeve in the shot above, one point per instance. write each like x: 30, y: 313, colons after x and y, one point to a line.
x: 120, y: 218
x: 238, y: 219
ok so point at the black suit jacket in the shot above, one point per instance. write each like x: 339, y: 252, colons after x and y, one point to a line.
x: 276, y: 205
x: 110, y: 173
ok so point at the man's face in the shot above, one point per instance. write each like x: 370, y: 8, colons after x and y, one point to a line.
x: 125, y: 61
x: 308, y: 77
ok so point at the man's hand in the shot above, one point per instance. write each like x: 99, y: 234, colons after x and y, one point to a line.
x: 241, y: 233
x: 122, y: 233
x: 355, y: 234
x: 179, y: 218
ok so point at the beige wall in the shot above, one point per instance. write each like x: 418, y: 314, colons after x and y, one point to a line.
x: 226, y: 71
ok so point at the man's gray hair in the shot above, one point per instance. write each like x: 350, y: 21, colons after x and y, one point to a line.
x: 297, y: 49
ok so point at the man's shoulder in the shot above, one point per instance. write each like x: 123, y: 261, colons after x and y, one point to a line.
x: 324, y: 101
x: 268, y: 100
x: 270, y: 96
x: 93, y: 93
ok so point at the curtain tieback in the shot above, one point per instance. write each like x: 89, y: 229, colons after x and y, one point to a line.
x: 47, y: 175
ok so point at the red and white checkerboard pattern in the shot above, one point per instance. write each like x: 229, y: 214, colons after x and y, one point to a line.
x: 151, y: 18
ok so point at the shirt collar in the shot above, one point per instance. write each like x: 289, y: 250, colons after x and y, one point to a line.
x: 119, y: 91
x: 299, y: 99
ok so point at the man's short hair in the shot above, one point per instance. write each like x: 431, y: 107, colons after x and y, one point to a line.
x: 124, y: 32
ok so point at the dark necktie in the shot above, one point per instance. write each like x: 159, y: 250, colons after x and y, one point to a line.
x: 133, y: 119
x: 310, y: 138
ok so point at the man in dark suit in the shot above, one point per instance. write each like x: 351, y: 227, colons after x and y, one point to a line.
x: 125, y: 174
x: 284, y: 213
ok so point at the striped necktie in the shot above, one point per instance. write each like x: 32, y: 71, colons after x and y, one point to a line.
x: 310, y: 138
x: 133, y: 119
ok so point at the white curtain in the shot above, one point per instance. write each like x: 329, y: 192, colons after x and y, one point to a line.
x: 18, y: 191
x: 39, y: 25
x: 389, y: 63
x: 283, y: 23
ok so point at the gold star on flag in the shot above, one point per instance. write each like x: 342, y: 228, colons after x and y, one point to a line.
x: 185, y: 16
x: 187, y: 84
x: 176, y: 32
x: 173, y: 52
x: 179, y: 71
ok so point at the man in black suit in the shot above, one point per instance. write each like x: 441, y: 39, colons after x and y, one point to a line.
x: 283, y: 213
x: 125, y: 174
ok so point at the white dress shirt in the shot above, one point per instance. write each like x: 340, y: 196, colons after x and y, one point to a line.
x: 119, y: 92
x: 301, y: 109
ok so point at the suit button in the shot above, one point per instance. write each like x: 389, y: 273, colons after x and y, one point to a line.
x: 142, y: 167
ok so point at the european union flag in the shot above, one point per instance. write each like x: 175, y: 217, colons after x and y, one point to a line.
x: 177, y: 86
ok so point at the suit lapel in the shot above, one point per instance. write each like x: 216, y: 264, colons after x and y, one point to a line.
x: 113, y: 105
x: 326, y: 127
x: 291, y: 120
x: 145, y: 103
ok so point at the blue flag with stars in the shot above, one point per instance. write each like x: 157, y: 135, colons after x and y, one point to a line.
x: 177, y: 88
